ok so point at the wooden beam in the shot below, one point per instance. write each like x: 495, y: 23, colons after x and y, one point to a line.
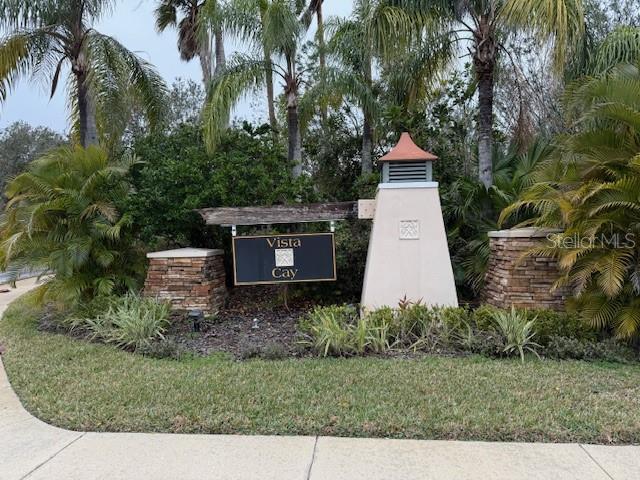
x: 305, y: 213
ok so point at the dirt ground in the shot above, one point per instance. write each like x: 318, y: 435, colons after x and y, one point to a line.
x: 254, y: 323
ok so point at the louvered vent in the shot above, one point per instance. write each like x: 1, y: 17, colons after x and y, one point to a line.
x: 408, y: 172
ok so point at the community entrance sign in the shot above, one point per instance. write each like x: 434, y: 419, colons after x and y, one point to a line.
x: 284, y: 258
x: 408, y: 256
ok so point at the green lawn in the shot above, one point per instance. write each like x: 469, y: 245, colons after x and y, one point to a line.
x: 84, y: 386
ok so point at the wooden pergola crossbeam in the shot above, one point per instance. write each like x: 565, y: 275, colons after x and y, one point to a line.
x: 305, y: 213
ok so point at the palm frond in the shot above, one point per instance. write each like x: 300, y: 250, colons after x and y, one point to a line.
x: 241, y: 74
x: 118, y: 78
x: 21, y: 55
x: 590, y: 189
x: 281, y: 28
x: 166, y: 15
x: 621, y: 46
x: 561, y: 21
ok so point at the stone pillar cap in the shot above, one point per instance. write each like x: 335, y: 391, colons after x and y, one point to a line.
x: 186, y: 253
x: 532, y: 232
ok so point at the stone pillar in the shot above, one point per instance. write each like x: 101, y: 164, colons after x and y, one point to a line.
x: 189, y: 278
x: 516, y: 279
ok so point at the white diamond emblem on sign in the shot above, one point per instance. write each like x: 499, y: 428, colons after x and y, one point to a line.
x: 284, y: 257
x: 409, y: 230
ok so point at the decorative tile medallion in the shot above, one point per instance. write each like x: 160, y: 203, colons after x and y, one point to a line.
x: 284, y: 257
x: 409, y: 230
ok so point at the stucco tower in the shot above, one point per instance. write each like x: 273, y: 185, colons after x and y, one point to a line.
x: 408, y: 253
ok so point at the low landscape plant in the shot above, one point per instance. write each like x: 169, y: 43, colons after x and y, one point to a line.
x: 609, y: 350
x: 162, y: 348
x: 131, y: 322
x: 490, y: 331
x: 330, y: 330
x: 548, y: 323
x: 412, y: 327
x: 517, y: 332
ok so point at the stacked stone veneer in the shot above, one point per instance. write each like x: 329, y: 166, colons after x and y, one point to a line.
x: 514, y: 278
x: 189, y: 278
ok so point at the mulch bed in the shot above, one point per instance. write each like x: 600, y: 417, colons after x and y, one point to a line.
x: 255, y: 323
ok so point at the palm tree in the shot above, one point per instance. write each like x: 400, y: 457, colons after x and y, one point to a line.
x: 61, y: 218
x: 486, y: 25
x: 279, y: 36
x: 193, y: 35
x: 360, y: 45
x: 471, y: 210
x: 106, y: 78
x: 589, y: 190
x: 315, y: 8
x: 246, y: 20
x: 351, y: 46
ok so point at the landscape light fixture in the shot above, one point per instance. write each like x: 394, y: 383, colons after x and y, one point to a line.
x: 196, y: 317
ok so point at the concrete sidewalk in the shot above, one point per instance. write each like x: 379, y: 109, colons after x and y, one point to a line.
x: 31, y: 449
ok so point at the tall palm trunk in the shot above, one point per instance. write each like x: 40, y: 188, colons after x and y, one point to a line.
x: 205, y: 61
x: 273, y: 122
x: 484, y: 62
x: 86, y: 105
x: 485, y: 128
x: 293, y: 120
x: 367, y: 125
x: 221, y: 59
x: 367, y: 144
x: 270, y: 92
x: 322, y: 54
x: 295, y: 141
x: 87, y: 113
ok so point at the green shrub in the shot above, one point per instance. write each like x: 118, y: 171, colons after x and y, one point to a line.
x: 379, y: 329
x: 178, y: 176
x: 483, y: 317
x: 62, y: 218
x: 248, y: 350
x: 517, y: 332
x: 352, y: 244
x: 273, y: 351
x: 488, y: 331
x: 488, y: 344
x: 340, y: 330
x: 436, y: 329
x: 162, y: 348
x: 131, y: 322
x: 332, y: 331
x: 610, y: 350
x: 455, y: 317
x: 548, y: 323
x: 413, y: 321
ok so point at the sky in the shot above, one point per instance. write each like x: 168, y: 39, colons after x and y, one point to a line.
x: 132, y: 24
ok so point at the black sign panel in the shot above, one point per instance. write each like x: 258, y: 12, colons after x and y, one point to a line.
x: 284, y: 259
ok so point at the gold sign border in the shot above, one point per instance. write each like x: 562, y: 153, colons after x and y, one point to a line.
x: 333, y: 245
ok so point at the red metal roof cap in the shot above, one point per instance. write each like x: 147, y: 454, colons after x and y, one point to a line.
x: 407, y: 151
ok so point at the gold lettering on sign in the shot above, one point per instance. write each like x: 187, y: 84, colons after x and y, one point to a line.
x: 286, y: 273
x: 277, y: 242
